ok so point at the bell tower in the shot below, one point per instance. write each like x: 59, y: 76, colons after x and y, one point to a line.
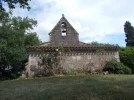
x: 64, y: 33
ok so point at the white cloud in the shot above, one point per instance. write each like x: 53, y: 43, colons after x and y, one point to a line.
x: 93, y: 19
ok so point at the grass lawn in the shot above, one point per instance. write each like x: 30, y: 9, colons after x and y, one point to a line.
x: 86, y: 87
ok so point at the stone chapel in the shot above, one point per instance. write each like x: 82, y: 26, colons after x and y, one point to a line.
x: 77, y: 55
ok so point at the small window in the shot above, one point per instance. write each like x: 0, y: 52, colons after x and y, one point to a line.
x: 63, y: 29
x: 63, y: 34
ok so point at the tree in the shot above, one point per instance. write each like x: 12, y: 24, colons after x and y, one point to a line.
x: 11, y: 4
x: 127, y: 57
x: 129, y: 32
x: 12, y: 42
x: 95, y: 43
x: 31, y: 39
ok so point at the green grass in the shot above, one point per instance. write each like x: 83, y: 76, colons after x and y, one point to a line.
x: 86, y: 87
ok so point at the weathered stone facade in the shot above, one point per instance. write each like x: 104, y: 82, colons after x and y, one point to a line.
x: 76, y: 55
x: 87, y: 62
x: 69, y: 36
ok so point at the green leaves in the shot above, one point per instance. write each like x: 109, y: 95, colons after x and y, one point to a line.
x: 95, y: 43
x: 11, y: 4
x: 127, y: 57
x: 13, y: 40
x: 116, y: 67
x: 129, y: 32
x: 31, y: 39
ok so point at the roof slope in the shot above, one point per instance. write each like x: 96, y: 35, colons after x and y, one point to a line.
x: 63, y: 19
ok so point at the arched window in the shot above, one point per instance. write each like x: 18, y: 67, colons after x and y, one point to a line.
x: 63, y: 29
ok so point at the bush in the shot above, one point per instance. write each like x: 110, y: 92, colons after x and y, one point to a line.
x: 10, y: 75
x: 14, y: 75
x: 72, y: 72
x: 116, y: 67
x: 127, y: 57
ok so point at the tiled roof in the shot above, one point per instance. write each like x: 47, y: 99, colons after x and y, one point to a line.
x: 47, y: 46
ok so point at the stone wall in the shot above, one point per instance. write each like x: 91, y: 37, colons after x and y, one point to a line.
x: 88, y: 62
x: 79, y: 61
x: 71, y: 37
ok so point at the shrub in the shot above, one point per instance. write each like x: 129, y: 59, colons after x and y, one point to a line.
x: 116, y: 67
x: 13, y: 75
x: 72, y: 72
x: 127, y: 57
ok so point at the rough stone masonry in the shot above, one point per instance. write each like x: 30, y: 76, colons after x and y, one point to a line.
x: 76, y: 55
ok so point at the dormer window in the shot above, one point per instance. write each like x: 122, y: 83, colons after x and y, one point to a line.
x: 63, y: 29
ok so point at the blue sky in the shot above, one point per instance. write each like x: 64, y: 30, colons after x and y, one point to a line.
x: 112, y: 39
x: 95, y: 20
x: 117, y: 39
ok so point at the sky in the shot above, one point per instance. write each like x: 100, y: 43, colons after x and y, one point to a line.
x: 95, y: 20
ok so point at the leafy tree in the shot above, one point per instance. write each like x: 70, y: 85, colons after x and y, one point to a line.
x: 12, y: 42
x: 127, y: 57
x: 129, y: 32
x: 11, y: 4
x: 31, y: 39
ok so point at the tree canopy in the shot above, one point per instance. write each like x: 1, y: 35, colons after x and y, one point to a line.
x: 127, y: 57
x: 129, y: 32
x: 11, y: 4
x: 31, y: 39
x: 95, y: 43
x: 13, y: 39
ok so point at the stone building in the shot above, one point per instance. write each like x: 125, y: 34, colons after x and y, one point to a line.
x: 77, y: 56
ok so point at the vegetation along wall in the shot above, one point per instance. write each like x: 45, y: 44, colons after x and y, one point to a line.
x: 68, y: 61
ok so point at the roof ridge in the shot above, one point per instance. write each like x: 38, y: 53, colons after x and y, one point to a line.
x: 63, y: 17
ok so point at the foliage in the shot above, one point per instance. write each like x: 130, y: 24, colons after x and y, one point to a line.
x: 129, y: 32
x: 127, y: 57
x: 11, y: 4
x: 95, y: 43
x: 74, y: 72
x: 116, y: 67
x: 12, y: 38
x: 14, y: 75
x: 31, y: 39
x: 50, y: 63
